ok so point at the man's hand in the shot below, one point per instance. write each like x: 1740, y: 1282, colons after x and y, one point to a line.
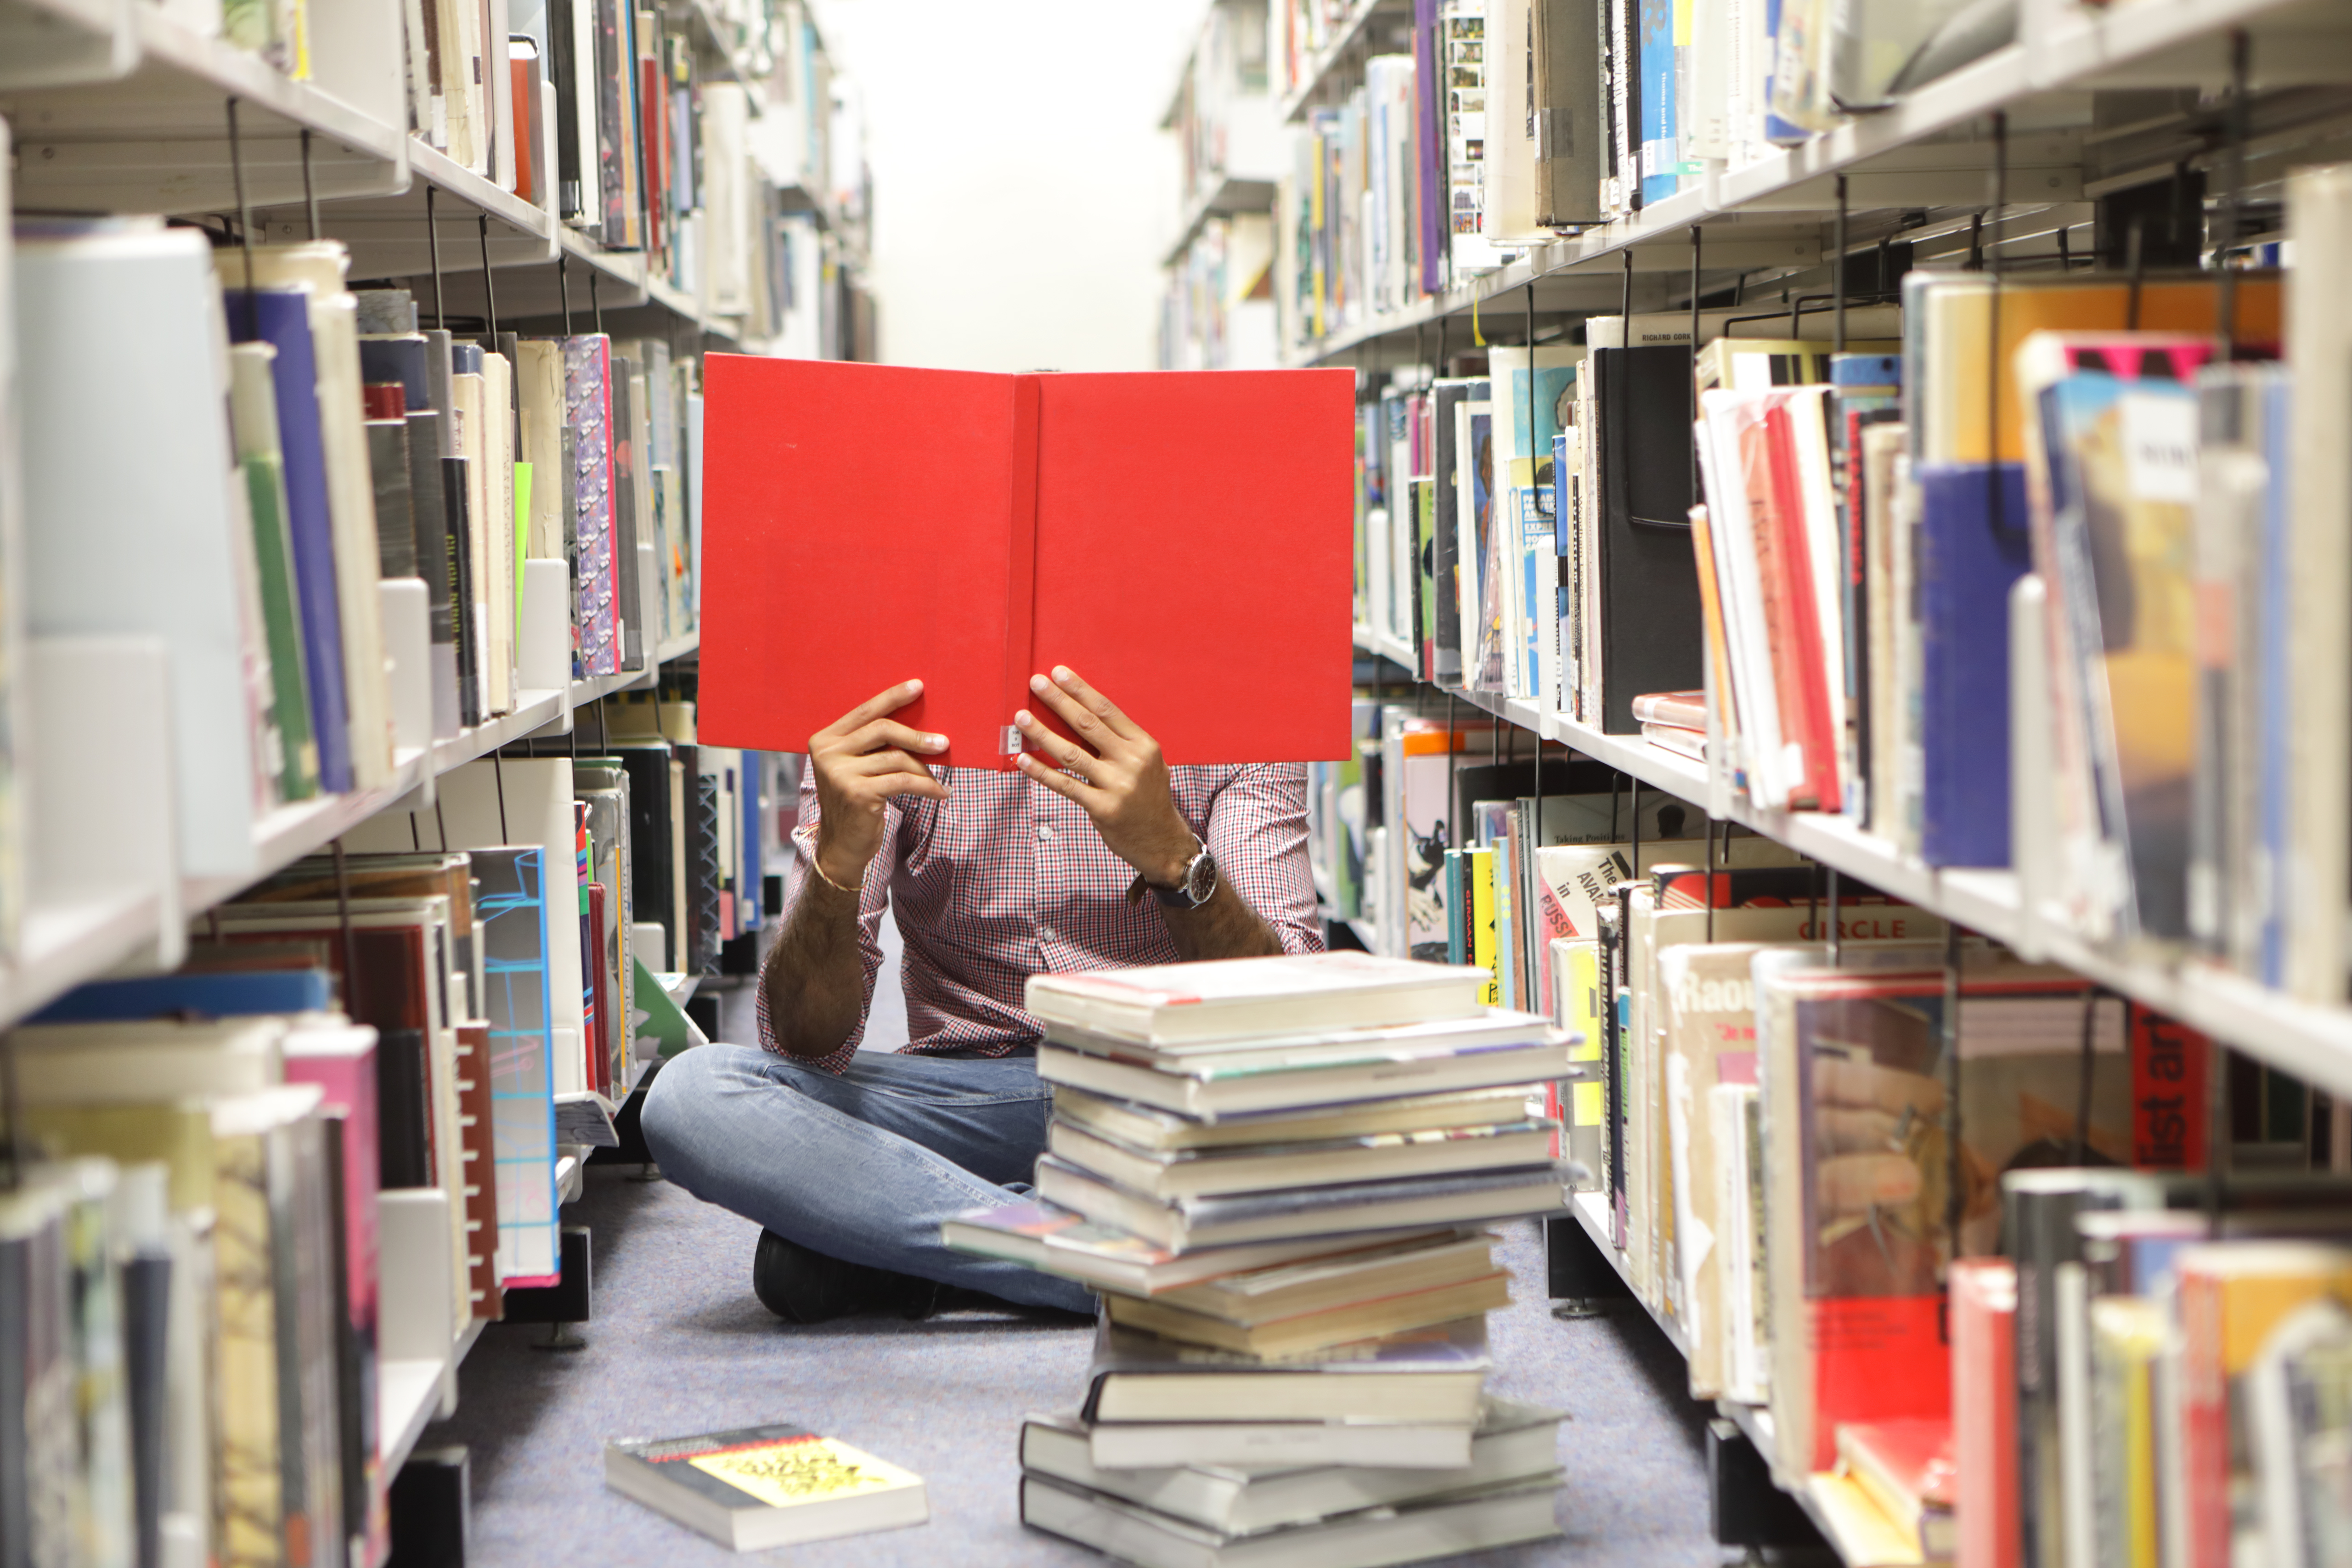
x: 1120, y: 780
x: 862, y: 759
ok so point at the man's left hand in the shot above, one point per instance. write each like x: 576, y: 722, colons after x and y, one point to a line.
x: 1116, y: 775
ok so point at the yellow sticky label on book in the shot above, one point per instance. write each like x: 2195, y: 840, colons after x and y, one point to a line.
x: 806, y: 1470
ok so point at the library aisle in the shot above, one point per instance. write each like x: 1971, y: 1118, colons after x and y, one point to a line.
x: 678, y: 1345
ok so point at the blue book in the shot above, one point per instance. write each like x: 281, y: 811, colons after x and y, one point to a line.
x: 2274, y: 666
x: 1974, y: 543
x: 281, y: 318
x: 1457, y: 916
x: 1778, y: 131
x: 752, y: 889
x: 1661, y: 150
x: 228, y: 994
x: 516, y: 927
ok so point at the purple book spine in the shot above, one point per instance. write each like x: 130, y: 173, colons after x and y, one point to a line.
x: 587, y: 408
x: 1429, y: 94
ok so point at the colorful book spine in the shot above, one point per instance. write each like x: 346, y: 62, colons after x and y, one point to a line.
x: 588, y: 410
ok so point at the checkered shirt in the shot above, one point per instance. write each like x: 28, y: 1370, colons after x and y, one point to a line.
x: 1006, y: 879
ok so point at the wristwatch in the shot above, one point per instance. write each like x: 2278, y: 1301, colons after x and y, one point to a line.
x: 1197, y: 886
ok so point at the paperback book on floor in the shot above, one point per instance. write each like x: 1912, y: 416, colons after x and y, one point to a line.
x: 758, y: 1487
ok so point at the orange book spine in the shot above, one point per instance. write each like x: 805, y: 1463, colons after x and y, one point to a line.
x: 1984, y: 1412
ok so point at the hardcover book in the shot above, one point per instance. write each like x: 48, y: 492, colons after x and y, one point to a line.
x: 1084, y: 509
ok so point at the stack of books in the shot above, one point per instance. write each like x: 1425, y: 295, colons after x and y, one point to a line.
x: 1276, y: 1172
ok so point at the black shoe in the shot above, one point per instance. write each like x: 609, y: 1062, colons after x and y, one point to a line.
x: 802, y: 1285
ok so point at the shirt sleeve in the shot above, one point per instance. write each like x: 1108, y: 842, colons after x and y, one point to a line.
x: 873, y: 898
x: 1257, y: 835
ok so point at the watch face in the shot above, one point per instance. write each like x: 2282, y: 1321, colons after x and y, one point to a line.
x: 1201, y: 878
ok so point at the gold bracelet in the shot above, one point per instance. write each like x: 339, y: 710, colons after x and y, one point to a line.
x: 818, y: 867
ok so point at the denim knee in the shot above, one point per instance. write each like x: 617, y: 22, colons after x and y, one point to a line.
x: 681, y: 1089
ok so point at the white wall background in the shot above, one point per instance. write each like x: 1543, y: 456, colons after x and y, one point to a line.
x: 1022, y: 192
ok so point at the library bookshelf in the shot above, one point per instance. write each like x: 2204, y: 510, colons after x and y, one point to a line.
x: 2005, y: 161
x: 124, y: 107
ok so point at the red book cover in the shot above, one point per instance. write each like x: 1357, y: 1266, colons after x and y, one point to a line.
x: 1801, y: 615
x: 525, y: 134
x: 1779, y: 583
x: 596, y: 1031
x: 1984, y: 1412
x: 1182, y: 539
x: 2171, y: 1065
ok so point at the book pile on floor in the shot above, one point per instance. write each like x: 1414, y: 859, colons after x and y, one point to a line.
x: 1275, y: 1171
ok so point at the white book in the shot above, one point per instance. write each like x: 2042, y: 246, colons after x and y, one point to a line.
x: 128, y: 481
x: 1239, y: 998
x: 1439, y: 1528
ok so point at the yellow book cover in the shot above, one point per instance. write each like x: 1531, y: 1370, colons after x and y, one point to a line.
x: 1482, y: 924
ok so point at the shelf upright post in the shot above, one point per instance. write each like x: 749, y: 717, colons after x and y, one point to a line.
x: 1635, y: 785
x: 1837, y: 280
x: 1995, y: 495
x: 1951, y: 1076
x: 2233, y: 203
x: 1710, y: 878
x: 595, y: 301
x: 13, y: 1112
x: 563, y: 287
x: 2091, y: 995
x: 489, y: 284
x: 1693, y: 463
x: 243, y: 220
x: 344, y: 918
x: 2136, y: 267
x: 310, y: 189
x: 1837, y: 943
x: 433, y: 243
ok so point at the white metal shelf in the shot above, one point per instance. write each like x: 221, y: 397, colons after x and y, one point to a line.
x: 1222, y: 196
x: 64, y: 944
x: 2310, y: 1040
x: 1899, y: 149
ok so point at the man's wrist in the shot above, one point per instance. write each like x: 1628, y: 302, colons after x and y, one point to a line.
x: 1167, y: 869
x: 840, y: 878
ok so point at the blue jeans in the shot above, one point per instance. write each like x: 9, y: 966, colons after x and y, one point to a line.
x: 863, y: 1166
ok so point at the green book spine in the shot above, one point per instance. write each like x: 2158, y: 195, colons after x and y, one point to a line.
x: 289, y: 676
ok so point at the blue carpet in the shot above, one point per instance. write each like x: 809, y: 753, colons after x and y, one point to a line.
x: 678, y: 1345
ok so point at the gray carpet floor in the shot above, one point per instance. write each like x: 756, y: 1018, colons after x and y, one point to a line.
x: 678, y: 1345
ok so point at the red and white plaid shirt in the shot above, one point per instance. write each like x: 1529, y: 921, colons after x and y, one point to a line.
x: 1006, y: 879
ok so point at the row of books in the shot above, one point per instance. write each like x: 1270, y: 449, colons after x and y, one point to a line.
x: 1275, y: 1171
x: 1800, y: 1241
x: 438, y: 1015
x: 371, y: 479
x: 1407, y: 185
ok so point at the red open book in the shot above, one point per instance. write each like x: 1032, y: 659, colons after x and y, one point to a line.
x: 1181, y: 539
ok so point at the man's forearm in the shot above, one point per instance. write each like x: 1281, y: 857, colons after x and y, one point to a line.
x: 814, y: 977
x: 1225, y: 927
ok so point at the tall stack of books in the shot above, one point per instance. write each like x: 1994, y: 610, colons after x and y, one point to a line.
x: 1276, y: 1172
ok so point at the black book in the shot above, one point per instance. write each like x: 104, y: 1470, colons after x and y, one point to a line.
x: 457, y: 506
x: 354, y: 1351
x: 400, y: 359
x: 651, y: 864
x: 146, y: 1335
x: 703, y: 878
x: 395, y: 524
x: 1612, y: 959
x: 612, y: 136
x: 1652, y: 626
x: 564, y: 71
x: 403, y: 1110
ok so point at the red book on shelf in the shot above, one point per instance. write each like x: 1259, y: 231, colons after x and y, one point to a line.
x: 1984, y: 1412
x: 1182, y: 539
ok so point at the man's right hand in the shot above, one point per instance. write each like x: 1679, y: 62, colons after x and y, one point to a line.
x: 862, y: 758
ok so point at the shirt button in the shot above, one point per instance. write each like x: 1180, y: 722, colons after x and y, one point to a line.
x: 1044, y: 831
x: 1045, y: 933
